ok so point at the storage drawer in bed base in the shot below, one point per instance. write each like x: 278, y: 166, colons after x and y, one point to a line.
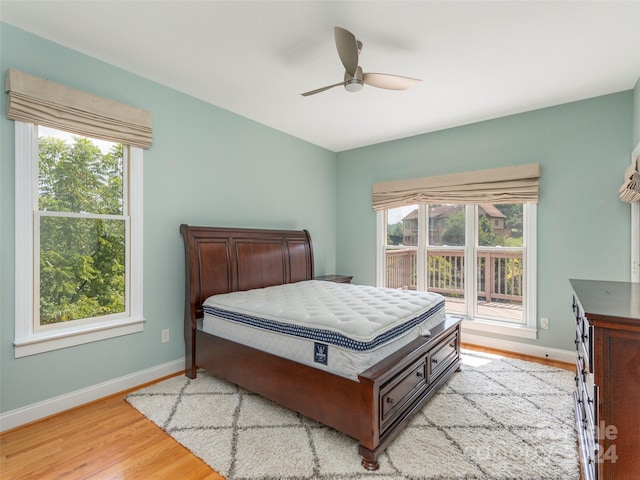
x: 413, y: 382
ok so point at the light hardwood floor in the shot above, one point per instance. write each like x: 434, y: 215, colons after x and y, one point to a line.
x: 109, y: 439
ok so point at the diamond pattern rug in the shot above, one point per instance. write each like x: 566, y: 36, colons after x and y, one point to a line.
x: 499, y: 418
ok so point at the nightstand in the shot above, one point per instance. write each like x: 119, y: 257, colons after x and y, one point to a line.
x: 335, y: 278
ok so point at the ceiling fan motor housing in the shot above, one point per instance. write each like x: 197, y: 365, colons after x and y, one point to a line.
x: 355, y: 83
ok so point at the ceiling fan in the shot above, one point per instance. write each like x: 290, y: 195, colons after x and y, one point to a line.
x: 354, y: 79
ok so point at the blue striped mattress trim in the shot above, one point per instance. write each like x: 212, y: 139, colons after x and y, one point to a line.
x: 326, y: 336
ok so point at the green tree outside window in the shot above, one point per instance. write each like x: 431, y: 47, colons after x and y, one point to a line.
x: 82, y: 230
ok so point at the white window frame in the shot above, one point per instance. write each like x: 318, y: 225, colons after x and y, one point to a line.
x: 28, y: 341
x: 526, y: 330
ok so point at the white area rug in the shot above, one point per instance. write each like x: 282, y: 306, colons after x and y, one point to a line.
x: 499, y: 418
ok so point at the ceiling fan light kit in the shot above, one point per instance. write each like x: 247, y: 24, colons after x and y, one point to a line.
x: 354, y: 79
x: 353, y: 85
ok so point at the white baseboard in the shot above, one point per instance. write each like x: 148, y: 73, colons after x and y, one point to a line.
x: 36, y: 411
x: 567, y: 356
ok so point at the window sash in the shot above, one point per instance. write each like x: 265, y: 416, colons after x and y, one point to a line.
x: 69, y: 324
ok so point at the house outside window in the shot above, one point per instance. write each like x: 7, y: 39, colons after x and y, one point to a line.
x: 480, y: 257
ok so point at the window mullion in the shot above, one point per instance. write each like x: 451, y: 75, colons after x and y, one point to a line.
x: 530, y: 260
x: 470, y: 260
x: 381, y: 248
x: 422, y: 263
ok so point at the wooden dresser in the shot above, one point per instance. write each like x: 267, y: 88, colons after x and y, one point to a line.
x: 607, y: 396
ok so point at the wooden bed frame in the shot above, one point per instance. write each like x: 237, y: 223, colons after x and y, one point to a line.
x: 372, y: 410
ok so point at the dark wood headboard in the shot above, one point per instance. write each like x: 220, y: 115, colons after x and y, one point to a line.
x: 222, y: 260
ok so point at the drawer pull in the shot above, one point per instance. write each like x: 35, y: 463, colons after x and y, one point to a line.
x: 434, y: 360
x: 390, y: 400
x: 419, y: 374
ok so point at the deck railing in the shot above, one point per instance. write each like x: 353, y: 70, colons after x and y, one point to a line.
x: 499, y: 273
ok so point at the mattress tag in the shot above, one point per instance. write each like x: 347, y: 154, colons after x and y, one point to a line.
x: 320, y: 353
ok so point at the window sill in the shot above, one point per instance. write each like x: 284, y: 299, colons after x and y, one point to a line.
x: 49, y: 341
x: 487, y: 326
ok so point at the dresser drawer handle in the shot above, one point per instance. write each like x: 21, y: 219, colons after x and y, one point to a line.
x: 434, y: 360
x: 419, y: 374
x: 390, y: 400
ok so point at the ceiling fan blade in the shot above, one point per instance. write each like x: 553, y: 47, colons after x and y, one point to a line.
x: 390, y: 82
x: 347, y: 49
x: 313, y: 92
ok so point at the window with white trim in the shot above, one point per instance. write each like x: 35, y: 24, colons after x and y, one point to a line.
x: 78, y: 239
x: 484, y: 272
x: 470, y: 236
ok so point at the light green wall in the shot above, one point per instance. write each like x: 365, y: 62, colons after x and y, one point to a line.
x: 206, y: 167
x: 583, y: 228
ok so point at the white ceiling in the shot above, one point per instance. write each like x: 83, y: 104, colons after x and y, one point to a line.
x: 477, y: 59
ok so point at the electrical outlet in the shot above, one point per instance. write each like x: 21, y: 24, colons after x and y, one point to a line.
x: 544, y: 323
x: 165, y: 335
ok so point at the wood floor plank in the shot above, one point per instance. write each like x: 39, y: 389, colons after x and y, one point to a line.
x: 104, y: 439
x: 109, y: 439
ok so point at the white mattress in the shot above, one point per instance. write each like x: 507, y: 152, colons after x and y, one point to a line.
x: 341, y: 328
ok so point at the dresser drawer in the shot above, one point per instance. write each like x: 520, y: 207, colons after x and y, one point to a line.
x: 589, y: 455
x: 442, y: 356
x: 401, y: 390
x: 589, y: 398
x: 584, y: 338
x: 587, y: 446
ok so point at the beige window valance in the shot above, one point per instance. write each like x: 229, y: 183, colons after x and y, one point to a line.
x: 36, y: 100
x: 518, y: 184
x: 630, y: 189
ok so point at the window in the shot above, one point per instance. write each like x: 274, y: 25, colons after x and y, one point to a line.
x: 78, y: 224
x: 471, y: 237
x: 78, y: 239
x: 458, y: 251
